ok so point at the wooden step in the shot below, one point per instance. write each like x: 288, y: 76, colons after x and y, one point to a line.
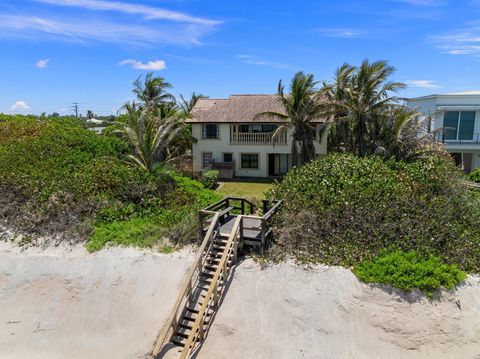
x: 180, y: 341
x: 182, y: 332
x: 191, y: 317
x: 221, y: 240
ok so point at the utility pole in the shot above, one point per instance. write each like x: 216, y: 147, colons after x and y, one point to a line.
x: 75, y: 108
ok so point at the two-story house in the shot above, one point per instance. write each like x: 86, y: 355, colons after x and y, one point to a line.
x: 231, y: 136
x: 455, y: 121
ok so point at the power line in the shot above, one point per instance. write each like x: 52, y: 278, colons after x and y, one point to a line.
x: 75, y: 108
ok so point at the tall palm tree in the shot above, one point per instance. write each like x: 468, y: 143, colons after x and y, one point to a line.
x: 368, y: 95
x: 336, y: 94
x: 302, y: 105
x: 152, y: 91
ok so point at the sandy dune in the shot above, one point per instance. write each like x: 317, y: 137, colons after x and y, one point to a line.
x: 69, y: 304
x: 287, y: 312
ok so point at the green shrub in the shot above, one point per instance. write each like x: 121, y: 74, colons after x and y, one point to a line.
x: 342, y: 209
x: 58, y: 177
x: 475, y: 175
x: 409, y: 271
x: 210, y: 178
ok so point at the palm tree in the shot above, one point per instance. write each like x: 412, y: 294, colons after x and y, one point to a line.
x: 90, y: 114
x: 302, y: 107
x: 368, y: 95
x: 151, y: 138
x: 336, y: 94
x: 404, y: 136
x: 151, y: 92
x: 186, y: 106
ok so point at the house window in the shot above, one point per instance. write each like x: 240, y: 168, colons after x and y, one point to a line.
x: 249, y: 160
x: 210, y: 131
x: 227, y: 157
x: 206, y: 159
x: 458, y: 125
x: 257, y: 128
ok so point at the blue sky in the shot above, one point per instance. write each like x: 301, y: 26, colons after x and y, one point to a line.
x: 55, y: 52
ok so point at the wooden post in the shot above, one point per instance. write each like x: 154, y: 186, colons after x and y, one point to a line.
x: 243, y: 206
x: 263, y: 234
x: 200, y: 329
x: 200, y: 218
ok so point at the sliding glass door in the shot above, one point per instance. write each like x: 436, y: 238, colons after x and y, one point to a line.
x: 458, y: 125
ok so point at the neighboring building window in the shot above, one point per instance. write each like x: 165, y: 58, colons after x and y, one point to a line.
x: 249, y: 160
x: 210, y: 131
x: 227, y: 157
x: 206, y: 159
x: 458, y: 125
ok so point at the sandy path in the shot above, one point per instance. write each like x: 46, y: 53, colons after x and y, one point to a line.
x: 70, y: 304
x: 286, y: 312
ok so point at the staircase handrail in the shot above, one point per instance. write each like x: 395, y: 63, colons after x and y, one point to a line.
x: 197, y: 328
x: 187, y: 288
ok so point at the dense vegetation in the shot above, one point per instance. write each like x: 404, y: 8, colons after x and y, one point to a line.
x: 342, y: 209
x: 408, y: 271
x: 58, y: 177
x: 475, y: 175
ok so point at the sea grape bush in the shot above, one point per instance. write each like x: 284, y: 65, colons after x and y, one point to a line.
x: 475, y: 175
x: 342, y: 209
x: 409, y: 271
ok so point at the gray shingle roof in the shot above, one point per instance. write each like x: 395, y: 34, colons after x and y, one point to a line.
x: 237, y: 108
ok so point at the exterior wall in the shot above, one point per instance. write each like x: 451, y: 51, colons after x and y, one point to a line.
x: 437, y: 105
x: 223, y: 145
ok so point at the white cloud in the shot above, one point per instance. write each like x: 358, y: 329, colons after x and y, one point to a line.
x: 41, y: 64
x: 253, y: 60
x: 340, y: 32
x: 79, y: 29
x: 148, y: 12
x: 464, y: 41
x: 150, y: 65
x: 426, y: 84
x: 19, y: 107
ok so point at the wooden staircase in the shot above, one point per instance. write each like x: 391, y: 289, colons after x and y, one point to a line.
x: 202, y: 292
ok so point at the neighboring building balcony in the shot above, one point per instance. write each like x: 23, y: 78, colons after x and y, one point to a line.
x: 447, y: 137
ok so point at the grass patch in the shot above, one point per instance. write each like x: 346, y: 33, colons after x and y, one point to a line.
x: 253, y: 191
x: 138, y: 232
x: 409, y: 271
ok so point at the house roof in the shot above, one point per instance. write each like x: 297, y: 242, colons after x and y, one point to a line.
x: 474, y: 93
x: 237, y: 109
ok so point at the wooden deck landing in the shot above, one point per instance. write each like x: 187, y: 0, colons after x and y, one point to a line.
x: 249, y: 232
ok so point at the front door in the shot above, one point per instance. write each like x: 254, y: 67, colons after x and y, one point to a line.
x: 271, y: 164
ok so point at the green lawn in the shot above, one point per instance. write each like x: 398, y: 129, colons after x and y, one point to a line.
x: 253, y: 191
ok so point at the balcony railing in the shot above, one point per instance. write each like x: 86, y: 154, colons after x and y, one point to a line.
x: 445, y: 137
x: 266, y: 138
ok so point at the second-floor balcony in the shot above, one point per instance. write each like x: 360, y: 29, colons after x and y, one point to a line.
x: 259, y: 138
x: 266, y: 134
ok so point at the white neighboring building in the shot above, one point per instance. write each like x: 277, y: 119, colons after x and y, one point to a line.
x: 456, y: 123
x: 230, y: 136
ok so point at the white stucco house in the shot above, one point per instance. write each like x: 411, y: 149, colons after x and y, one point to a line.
x: 232, y: 137
x: 455, y: 121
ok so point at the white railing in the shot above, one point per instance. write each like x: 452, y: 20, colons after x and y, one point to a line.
x: 259, y: 138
